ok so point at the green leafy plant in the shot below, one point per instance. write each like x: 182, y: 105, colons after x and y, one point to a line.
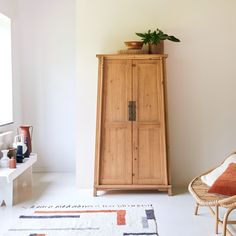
x: 156, y: 37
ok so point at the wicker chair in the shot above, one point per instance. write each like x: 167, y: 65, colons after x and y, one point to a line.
x: 199, y: 191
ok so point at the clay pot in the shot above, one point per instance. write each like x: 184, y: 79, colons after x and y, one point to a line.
x: 156, y: 48
x: 12, y: 163
x: 27, y: 132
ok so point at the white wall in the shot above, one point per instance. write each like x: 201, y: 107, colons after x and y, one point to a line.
x: 47, y: 51
x: 201, y: 76
x: 7, y: 7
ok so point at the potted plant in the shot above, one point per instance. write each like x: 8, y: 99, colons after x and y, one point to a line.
x: 155, y: 40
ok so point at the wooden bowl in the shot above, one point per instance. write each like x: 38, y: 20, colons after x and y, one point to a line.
x: 134, y: 44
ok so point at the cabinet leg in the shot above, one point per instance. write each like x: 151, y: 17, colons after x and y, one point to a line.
x: 94, y: 192
x: 170, y: 191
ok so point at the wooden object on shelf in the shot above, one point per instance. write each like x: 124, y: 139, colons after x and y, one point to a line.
x: 131, y: 135
x: 132, y: 51
x: 134, y: 44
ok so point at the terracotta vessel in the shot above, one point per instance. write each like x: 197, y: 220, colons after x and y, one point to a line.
x: 12, y: 163
x: 27, y: 132
x: 156, y: 48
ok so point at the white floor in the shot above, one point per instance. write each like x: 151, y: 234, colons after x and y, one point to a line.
x: 174, y: 214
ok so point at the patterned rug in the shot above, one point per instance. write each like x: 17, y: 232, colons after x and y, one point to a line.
x: 86, y: 220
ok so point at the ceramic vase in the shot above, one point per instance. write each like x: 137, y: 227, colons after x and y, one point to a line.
x: 27, y: 132
x: 5, y: 159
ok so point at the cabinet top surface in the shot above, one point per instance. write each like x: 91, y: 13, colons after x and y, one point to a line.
x: 132, y: 56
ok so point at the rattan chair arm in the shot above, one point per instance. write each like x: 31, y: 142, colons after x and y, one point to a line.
x: 228, y: 201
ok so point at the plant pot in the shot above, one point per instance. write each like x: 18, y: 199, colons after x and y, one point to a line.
x: 156, y: 48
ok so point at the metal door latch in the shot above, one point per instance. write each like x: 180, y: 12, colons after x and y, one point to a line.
x: 132, y: 110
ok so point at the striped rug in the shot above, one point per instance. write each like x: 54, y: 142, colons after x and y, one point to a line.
x: 86, y: 220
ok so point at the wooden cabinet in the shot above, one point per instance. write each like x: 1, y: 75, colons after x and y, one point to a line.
x: 131, y: 124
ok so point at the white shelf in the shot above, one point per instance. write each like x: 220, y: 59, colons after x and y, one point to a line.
x: 15, y: 183
x: 7, y: 174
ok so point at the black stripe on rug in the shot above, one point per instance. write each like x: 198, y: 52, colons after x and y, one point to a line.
x: 49, y: 217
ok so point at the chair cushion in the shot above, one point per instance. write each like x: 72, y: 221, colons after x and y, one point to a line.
x: 226, y: 183
x: 211, y: 177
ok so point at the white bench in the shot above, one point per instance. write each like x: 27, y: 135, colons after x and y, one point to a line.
x: 16, y: 184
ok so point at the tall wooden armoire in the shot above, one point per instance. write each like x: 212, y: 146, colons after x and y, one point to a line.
x: 131, y: 140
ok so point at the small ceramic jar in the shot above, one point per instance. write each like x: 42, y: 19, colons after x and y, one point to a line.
x: 12, y: 163
x: 4, y: 160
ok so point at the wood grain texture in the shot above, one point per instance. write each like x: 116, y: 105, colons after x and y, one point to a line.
x: 98, y: 122
x: 149, y: 127
x: 163, y: 75
x: 134, y: 187
x: 116, y: 167
x: 133, y: 57
x: 131, y: 154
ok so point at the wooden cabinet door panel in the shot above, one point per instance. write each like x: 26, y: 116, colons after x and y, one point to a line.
x: 149, y: 146
x: 147, y: 85
x: 116, y: 145
x: 149, y: 162
x: 117, y: 90
x: 116, y: 156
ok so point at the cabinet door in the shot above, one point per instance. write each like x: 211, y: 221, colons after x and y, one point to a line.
x: 149, y: 146
x: 116, y: 143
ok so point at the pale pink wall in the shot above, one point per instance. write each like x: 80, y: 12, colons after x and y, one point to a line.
x: 201, y: 76
x: 47, y: 41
